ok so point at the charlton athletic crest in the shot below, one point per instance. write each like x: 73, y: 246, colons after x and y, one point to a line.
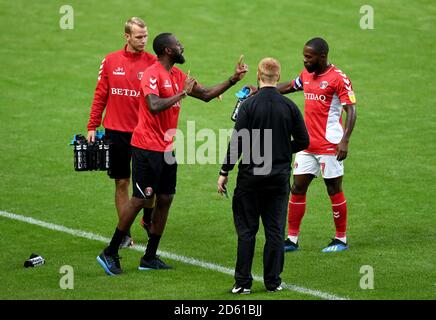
x: 323, y: 84
x: 140, y: 75
x: 148, y: 192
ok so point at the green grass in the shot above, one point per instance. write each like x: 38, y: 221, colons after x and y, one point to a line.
x: 47, y: 82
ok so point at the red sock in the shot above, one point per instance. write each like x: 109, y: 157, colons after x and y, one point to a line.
x: 297, y: 207
x: 339, y: 206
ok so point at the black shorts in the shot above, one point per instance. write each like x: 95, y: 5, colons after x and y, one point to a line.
x: 120, y: 154
x: 152, y: 173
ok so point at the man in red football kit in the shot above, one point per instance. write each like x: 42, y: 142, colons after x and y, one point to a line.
x: 154, y: 167
x: 327, y: 91
x: 118, y: 92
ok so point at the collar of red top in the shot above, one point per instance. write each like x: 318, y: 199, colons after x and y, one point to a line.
x: 163, y: 68
x: 132, y: 54
x: 329, y: 68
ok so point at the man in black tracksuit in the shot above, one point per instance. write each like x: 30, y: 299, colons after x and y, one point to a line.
x: 268, y: 130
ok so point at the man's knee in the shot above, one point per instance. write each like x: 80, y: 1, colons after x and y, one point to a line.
x: 301, y: 184
x: 247, y: 235
x: 164, y: 200
x: 122, y: 184
x: 299, y: 188
x: 137, y: 203
x: 334, y: 185
x: 332, y: 190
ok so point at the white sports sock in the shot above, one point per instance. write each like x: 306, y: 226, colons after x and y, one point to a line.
x: 344, y: 239
x: 294, y: 239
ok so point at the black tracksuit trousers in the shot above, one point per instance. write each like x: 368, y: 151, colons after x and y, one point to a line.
x: 271, y: 206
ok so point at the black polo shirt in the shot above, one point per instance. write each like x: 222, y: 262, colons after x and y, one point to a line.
x: 268, y: 130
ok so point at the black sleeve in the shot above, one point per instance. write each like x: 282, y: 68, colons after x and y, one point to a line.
x: 300, y: 136
x: 234, y: 149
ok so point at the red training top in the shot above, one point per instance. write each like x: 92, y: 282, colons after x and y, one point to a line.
x: 118, y: 90
x: 156, y: 131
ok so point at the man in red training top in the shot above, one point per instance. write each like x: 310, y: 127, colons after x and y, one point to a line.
x: 327, y: 92
x: 154, y: 167
x: 118, y: 92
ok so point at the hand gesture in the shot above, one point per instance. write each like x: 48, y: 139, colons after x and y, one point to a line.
x: 189, y: 84
x: 240, y: 70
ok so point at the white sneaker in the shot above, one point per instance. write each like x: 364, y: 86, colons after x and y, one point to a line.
x: 279, y: 288
x: 240, y: 290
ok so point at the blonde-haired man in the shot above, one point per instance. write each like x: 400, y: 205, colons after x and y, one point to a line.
x: 262, y: 188
x: 118, y: 93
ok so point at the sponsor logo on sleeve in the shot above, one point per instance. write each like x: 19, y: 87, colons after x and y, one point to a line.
x: 167, y: 84
x: 351, y: 96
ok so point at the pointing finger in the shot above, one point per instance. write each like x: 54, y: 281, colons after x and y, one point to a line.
x: 241, y: 59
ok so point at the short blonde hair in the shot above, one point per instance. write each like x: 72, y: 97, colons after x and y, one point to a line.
x: 269, y: 70
x: 133, y: 20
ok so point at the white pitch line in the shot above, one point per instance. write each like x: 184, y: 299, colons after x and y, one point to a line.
x: 169, y: 255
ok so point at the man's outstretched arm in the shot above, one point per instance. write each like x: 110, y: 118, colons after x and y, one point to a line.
x: 286, y: 87
x: 207, y: 94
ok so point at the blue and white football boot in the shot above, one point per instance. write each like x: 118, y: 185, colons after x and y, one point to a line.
x: 335, y: 246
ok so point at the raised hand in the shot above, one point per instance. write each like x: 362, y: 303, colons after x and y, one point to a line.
x: 240, y: 70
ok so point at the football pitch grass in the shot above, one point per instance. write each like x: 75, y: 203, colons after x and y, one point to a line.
x: 47, y: 82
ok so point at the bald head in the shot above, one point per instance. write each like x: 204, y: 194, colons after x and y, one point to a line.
x: 268, y: 72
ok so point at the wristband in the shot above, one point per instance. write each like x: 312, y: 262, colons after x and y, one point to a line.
x: 232, y: 82
x: 224, y: 173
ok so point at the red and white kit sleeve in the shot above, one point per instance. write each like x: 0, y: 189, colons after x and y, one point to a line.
x: 344, y: 89
x: 100, y: 97
x: 151, y: 82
